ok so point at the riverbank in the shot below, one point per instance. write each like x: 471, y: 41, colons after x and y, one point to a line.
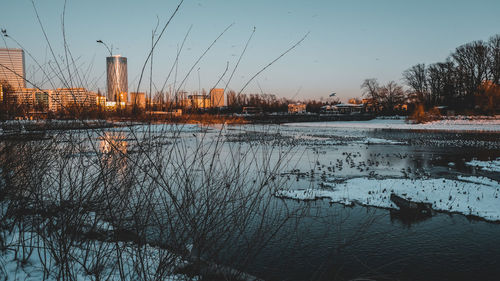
x: 458, y: 123
x: 304, y: 118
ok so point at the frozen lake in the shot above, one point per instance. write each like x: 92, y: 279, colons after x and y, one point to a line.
x: 347, y: 242
x: 340, y: 175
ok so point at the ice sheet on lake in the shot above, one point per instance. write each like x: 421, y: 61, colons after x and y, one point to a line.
x: 490, y: 166
x: 477, y: 196
x: 458, y: 124
x: 380, y: 141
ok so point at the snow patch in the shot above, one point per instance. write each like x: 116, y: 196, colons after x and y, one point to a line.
x: 380, y: 141
x: 490, y: 166
x: 477, y: 196
x: 461, y: 123
x: 12, y: 268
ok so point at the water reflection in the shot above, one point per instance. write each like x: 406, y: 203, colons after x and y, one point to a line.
x: 114, y: 158
x: 407, y: 219
x: 112, y: 143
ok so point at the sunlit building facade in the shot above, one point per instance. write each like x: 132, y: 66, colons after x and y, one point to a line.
x: 117, y: 78
x: 12, y: 67
x: 30, y: 98
x: 138, y: 99
x: 213, y: 100
x: 65, y: 98
x: 53, y: 100
x: 199, y: 101
x: 100, y: 100
x: 296, y: 108
x: 217, y: 97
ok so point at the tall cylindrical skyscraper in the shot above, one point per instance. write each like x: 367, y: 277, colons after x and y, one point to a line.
x: 116, y: 67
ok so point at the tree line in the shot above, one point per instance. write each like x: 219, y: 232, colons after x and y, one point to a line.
x: 269, y: 102
x: 467, y: 80
x: 385, y: 99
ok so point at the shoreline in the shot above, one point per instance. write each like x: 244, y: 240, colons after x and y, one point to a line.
x: 472, y: 124
x: 480, y: 124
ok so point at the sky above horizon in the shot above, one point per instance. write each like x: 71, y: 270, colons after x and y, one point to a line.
x: 347, y: 42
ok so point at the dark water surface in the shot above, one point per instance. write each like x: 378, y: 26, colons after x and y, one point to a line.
x: 355, y: 242
x: 343, y: 243
x: 335, y: 242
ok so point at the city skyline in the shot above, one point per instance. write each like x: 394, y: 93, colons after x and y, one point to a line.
x: 347, y: 42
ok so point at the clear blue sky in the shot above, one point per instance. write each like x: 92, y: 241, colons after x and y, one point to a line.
x: 348, y: 41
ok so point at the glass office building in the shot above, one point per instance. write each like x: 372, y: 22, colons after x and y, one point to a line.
x: 116, y: 67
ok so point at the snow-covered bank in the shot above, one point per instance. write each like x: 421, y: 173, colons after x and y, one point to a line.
x: 477, y: 196
x: 455, y: 124
x: 89, y: 261
x: 490, y: 166
x: 380, y: 141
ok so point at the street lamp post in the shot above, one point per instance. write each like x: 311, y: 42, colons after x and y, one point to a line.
x: 109, y: 50
x: 109, y: 95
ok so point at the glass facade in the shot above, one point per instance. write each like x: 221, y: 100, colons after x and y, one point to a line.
x: 116, y: 67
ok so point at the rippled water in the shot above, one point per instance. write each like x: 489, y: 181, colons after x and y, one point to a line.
x: 335, y: 242
x: 370, y: 243
x: 339, y: 242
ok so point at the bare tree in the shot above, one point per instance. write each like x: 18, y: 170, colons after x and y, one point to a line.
x: 457, y: 82
x: 494, y: 59
x: 472, y: 69
x: 391, y: 94
x: 442, y: 84
x: 416, y: 78
x: 384, y: 97
x: 371, y: 88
